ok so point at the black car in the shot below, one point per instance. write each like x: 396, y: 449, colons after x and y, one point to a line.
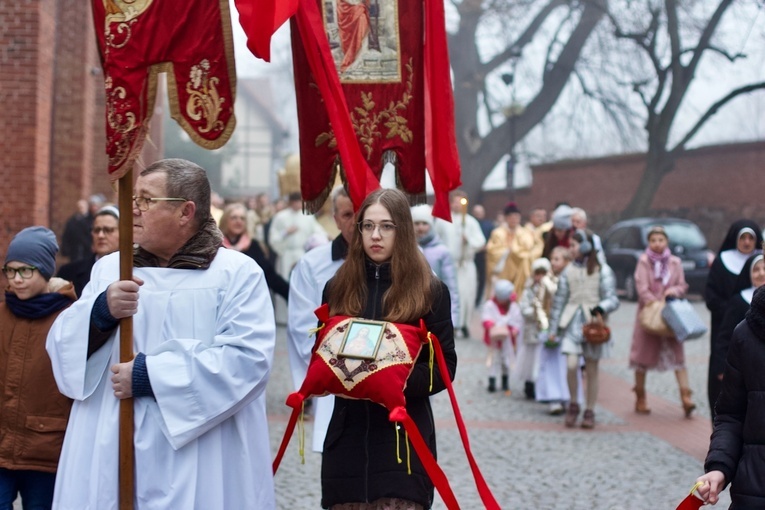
x: 625, y: 241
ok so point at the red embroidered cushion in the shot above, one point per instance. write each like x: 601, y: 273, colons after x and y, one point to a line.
x: 376, y: 371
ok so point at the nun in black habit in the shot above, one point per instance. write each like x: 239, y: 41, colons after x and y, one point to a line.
x: 744, y: 239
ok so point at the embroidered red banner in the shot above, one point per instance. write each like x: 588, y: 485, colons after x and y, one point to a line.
x: 368, y: 92
x: 377, y: 50
x: 190, y: 41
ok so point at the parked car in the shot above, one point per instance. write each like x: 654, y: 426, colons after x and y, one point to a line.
x: 625, y: 241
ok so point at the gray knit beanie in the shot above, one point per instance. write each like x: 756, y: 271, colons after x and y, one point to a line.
x: 35, y: 246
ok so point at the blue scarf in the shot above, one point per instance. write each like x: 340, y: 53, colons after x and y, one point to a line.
x: 37, y: 307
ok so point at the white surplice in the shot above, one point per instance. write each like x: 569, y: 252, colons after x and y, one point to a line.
x: 307, y: 282
x: 202, y: 442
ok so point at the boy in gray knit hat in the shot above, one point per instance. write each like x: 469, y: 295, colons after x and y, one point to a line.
x: 32, y: 411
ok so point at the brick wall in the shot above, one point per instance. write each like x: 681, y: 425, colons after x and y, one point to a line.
x: 51, y: 96
x: 712, y: 186
x: 26, y: 82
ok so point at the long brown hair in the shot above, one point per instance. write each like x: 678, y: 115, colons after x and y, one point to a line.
x: 412, y: 280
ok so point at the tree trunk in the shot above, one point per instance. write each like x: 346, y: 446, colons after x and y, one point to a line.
x: 657, y: 166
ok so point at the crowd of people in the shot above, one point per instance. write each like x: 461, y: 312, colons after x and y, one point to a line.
x: 204, y: 329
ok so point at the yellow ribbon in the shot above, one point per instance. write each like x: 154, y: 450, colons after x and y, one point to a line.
x: 398, y: 447
x: 430, y: 343
x: 313, y: 331
x: 301, y: 434
x: 698, y: 484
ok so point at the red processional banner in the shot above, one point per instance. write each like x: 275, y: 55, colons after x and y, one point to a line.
x: 373, y: 85
x: 377, y: 49
x: 190, y: 41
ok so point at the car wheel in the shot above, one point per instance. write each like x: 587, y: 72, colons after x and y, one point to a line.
x: 630, y: 290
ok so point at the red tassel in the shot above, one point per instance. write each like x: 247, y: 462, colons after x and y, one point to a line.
x: 692, y: 502
x: 483, y: 488
x: 434, y: 471
x: 295, y: 401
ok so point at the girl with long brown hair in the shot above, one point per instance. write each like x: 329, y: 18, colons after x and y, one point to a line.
x: 385, y: 277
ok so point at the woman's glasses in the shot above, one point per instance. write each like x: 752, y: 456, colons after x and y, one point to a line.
x: 385, y: 228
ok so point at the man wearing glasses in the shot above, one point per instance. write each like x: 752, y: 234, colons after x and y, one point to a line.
x: 204, y: 334
x: 105, y: 236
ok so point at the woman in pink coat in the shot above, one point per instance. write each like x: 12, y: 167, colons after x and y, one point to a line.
x: 658, y: 275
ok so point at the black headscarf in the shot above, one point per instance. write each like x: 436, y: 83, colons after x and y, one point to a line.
x: 744, y: 280
x: 731, y: 238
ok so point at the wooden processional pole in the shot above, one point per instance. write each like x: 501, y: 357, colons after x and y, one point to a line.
x: 126, y: 448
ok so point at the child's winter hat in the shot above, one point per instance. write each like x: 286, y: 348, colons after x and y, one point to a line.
x: 422, y: 213
x: 35, y: 246
x: 541, y: 264
x: 503, y: 289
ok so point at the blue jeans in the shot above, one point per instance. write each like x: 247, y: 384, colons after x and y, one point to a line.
x: 35, y: 487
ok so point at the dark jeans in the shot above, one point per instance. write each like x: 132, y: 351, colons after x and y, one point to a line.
x: 35, y: 487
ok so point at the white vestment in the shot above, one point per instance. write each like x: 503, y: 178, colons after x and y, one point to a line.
x: 307, y: 282
x: 290, y: 247
x: 202, y: 442
x: 463, y: 242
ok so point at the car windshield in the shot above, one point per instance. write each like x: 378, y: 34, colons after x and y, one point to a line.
x: 686, y: 235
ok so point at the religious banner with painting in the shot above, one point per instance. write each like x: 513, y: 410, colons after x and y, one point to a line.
x: 377, y: 49
x: 190, y: 41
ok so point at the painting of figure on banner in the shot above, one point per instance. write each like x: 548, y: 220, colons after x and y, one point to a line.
x: 364, y: 38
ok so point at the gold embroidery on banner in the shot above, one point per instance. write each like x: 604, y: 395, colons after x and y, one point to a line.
x: 120, y: 11
x: 120, y: 122
x: 366, y: 121
x: 124, y: 14
x: 204, y: 100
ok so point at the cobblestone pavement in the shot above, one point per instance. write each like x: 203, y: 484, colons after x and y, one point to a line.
x: 529, y: 459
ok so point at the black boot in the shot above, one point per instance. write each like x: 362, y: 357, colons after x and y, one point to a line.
x: 529, y: 391
x: 505, y: 383
x: 492, y: 384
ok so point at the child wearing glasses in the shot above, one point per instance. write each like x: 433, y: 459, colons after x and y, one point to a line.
x: 32, y: 411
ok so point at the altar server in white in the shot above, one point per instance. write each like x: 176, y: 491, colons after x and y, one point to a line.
x: 307, y: 282
x: 204, y: 334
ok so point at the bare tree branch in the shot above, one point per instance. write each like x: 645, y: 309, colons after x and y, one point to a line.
x: 514, y: 50
x: 712, y: 110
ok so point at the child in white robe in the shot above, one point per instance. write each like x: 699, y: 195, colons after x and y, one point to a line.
x: 535, y: 304
x: 502, y: 324
x: 551, y: 385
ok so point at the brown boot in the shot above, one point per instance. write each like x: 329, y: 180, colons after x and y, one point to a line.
x: 688, y: 405
x: 641, y: 406
x: 588, y: 420
x: 571, y: 415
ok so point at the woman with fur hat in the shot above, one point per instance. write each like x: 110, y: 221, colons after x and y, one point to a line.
x: 32, y: 411
x: 744, y: 238
x: 586, y: 289
x: 658, y: 275
x: 502, y: 326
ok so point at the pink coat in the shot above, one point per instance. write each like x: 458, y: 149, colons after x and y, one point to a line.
x: 650, y: 351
